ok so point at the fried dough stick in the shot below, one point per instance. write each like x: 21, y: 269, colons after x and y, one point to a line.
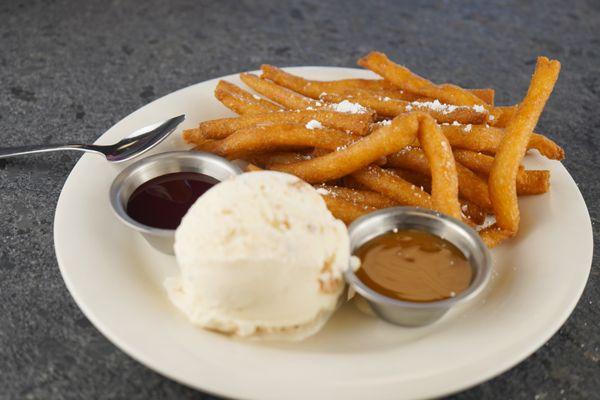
x: 470, y: 186
x: 345, y: 210
x: 388, y: 140
x: 221, y: 128
x: 385, y: 140
x: 406, y: 187
x: 349, y: 204
x: 503, y: 176
x: 529, y: 182
x: 478, y: 162
x: 315, y: 89
x: 279, y: 94
x: 253, y: 168
x: 242, y: 102
x: 391, y: 185
x: 267, y: 159
x: 278, y: 137
x: 389, y: 107
x: 487, y: 139
x: 474, y: 214
x: 416, y: 178
x: 403, y: 78
x: 486, y: 95
x: 492, y: 236
x: 444, y: 180
x: 238, y: 105
x: 270, y: 159
x: 502, y: 115
x: 364, y: 197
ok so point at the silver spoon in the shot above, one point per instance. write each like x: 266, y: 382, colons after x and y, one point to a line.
x: 131, y: 146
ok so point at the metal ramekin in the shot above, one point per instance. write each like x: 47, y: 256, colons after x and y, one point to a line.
x: 160, y: 164
x: 406, y: 313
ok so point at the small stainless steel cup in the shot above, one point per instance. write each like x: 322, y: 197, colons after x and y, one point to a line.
x: 408, y: 313
x: 161, y: 164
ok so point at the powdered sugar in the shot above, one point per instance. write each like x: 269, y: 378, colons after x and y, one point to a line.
x: 435, y: 105
x: 313, y: 124
x: 406, y: 150
x: 443, y: 108
x: 489, y: 221
x: 322, y: 191
x: 467, y: 128
x: 348, y: 107
x: 385, y: 122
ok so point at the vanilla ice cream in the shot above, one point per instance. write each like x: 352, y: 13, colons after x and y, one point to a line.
x: 260, y: 255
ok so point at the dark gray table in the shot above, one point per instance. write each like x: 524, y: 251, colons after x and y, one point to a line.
x: 71, y: 69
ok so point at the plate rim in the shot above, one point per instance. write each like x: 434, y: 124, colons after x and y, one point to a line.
x: 139, y: 356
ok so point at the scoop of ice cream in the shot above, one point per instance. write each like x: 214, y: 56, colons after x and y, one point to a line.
x: 260, y: 255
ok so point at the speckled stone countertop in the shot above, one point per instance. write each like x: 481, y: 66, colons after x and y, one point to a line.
x: 71, y: 69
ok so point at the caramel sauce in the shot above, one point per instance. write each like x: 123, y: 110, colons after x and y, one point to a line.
x: 411, y: 265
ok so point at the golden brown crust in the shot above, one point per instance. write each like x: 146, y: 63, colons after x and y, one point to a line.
x: 390, y: 107
x: 470, y: 186
x: 503, y: 176
x: 223, y: 127
x: 487, y: 139
x: 403, y: 78
x: 437, y: 152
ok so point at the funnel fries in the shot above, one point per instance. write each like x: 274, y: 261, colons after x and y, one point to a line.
x: 403, y: 78
x: 389, y: 107
x: 221, y: 128
x: 503, y: 176
x: 279, y: 94
x: 368, y: 144
x: 487, y: 139
x: 241, y: 101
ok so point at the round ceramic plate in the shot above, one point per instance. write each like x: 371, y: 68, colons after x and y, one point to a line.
x: 116, y: 279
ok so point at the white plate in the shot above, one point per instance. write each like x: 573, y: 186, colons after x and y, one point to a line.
x: 116, y: 279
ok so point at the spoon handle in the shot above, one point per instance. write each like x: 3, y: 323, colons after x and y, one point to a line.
x: 23, y: 150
